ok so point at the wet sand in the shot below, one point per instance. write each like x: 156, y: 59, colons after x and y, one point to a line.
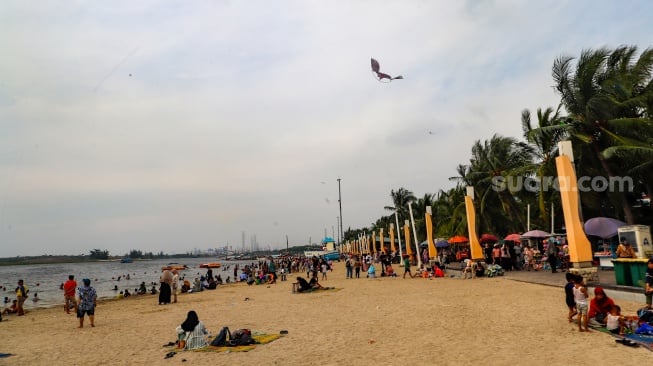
x: 383, y: 321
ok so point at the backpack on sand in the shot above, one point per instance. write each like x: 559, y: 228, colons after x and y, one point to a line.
x: 241, y: 337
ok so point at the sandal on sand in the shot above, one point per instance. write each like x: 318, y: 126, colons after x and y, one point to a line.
x: 169, y: 344
x: 627, y: 342
x: 169, y: 355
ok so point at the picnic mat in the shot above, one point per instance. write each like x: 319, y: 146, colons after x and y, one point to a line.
x: 643, y: 340
x: 260, y: 338
x: 318, y: 290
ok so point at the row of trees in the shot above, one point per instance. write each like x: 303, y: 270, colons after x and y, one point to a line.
x: 605, y: 110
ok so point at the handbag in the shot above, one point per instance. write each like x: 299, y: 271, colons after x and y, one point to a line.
x: 182, y: 342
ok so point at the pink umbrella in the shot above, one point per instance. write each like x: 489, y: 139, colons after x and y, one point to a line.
x: 513, y: 237
x: 535, y: 234
x: 488, y: 238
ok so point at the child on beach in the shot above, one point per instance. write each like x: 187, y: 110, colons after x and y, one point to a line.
x: 614, y: 320
x: 569, y: 296
x: 580, y: 297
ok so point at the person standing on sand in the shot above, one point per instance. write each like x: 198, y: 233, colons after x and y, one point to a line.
x: 69, y: 294
x: 357, y: 266
x: 175, y: 284
x: 407, y: 267
x: 648, y: 284
x: 164, y: 291
x: 87, y: 301
x: 21, y: 296
x: 552, y: 254
x: 580, y: 297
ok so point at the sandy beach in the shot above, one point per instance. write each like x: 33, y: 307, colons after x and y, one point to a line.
x: 381, y: 321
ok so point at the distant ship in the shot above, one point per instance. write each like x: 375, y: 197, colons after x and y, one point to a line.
x: 126, y: 260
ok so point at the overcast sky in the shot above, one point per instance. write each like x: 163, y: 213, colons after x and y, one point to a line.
x: 168, y: 126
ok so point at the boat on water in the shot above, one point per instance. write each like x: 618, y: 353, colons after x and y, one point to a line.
x: 126, y: 260
x: 211, y: 265
x: 177, y: 266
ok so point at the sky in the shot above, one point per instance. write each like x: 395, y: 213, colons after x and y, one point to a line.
x: 180, y: 125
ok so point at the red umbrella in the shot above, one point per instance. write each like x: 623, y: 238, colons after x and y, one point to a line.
x: 488, y: 238
x: 458, y: 239
x: 513, y: 237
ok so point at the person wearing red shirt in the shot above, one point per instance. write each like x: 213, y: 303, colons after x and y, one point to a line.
x: 69, y: 294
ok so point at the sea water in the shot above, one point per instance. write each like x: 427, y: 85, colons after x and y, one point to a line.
x: 46, y: 279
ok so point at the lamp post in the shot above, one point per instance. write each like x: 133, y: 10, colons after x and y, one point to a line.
x: 399, y: 235
x: 341, y: 233
x: 412, y: 222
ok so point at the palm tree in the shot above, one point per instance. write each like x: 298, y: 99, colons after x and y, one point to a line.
x: 607, y: 97
x: 419, y: 209
x: 449, y: 213
x: 401, y: 197
x: 500, y: 158
x: 544, y: 140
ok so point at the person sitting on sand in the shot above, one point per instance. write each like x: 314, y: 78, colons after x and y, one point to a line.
x: 390, y: 272
x: 315, y: 285
x: 185, y: 287
x: 599, y: 308
x: 614, y: 322
x: 437, y: 271
x: 303, y: 285
x: 480, y: 269
x: 11, y: 309
x: 193, y: 332
x: 371, y: 271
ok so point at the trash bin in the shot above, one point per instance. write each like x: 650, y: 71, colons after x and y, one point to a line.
x: 638, y: 271
x: 622, y: 272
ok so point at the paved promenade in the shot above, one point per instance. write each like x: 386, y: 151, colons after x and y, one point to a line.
x: 606, y: 280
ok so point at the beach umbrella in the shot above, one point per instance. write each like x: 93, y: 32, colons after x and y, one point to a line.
x: 441, y: 244
x: 603, y: 227
x: 535, y: 234
x: 458, y: 239
x: 488, y: 238
x: 513, y: 237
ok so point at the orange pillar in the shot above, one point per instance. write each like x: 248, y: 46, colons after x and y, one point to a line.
x: 474, y: 245
x: 580, y: 249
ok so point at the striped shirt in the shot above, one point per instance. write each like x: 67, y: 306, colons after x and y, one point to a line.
x: 197, y: 338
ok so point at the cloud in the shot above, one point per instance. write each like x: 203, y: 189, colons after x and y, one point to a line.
x: 159, y: 126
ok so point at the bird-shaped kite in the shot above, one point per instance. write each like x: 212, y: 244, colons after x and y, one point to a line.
x: 380, y: 76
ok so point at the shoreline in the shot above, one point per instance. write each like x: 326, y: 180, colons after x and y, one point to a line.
x: 368, y: 320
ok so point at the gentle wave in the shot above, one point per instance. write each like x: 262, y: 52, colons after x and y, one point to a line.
x: 46, y: 279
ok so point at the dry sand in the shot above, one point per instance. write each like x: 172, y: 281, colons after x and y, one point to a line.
x: 383, y: 321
